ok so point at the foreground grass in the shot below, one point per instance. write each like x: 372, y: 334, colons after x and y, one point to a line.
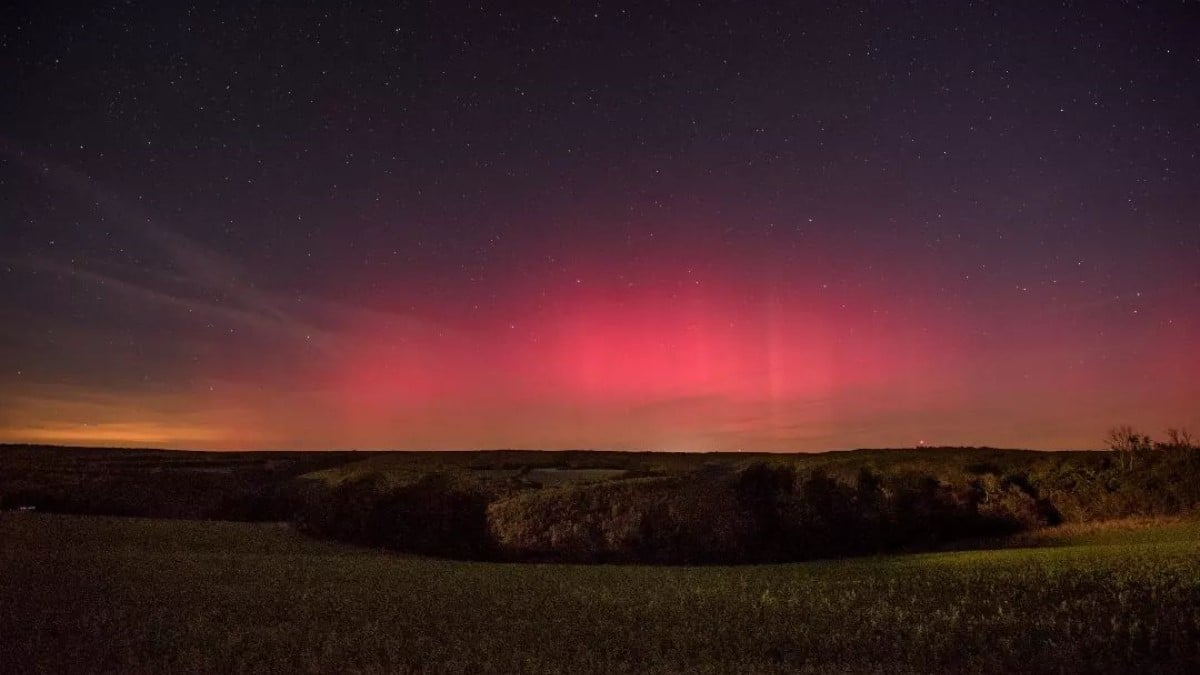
x: 99, y: 594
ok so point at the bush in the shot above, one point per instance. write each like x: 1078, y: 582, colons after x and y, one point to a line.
x: 665, y: 520
x: 437, y: 514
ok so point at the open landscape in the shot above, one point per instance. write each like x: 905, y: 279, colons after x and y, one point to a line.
x: 1109, y: 585
x: 853, y: 337
x: 614, y: 507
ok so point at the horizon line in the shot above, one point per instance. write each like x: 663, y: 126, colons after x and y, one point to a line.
x: 12, y: 444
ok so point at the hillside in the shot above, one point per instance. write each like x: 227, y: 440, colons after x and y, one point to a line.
x: 80, y: 594
x: 584, y: 506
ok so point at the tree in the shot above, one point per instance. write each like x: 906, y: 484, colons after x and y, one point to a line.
x: 1180, y: 439
x: 1179, y: 443
x: 1125, y: 440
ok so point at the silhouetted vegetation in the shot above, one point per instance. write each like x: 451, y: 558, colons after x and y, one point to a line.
x: 437, y: 514
x: 617, y: 507
x: 667, y: 519
x: 765, y: 512
x: 245, y: 486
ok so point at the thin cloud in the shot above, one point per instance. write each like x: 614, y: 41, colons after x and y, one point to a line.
x: 204, y: 273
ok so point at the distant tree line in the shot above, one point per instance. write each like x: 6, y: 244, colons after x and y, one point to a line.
x: 766, y: 512
x: 248, y: 495
x: 770, y: 509
x: 1132, y: 445
x: 155, y: 483
x: 763, y: 511
x: 439, y: 513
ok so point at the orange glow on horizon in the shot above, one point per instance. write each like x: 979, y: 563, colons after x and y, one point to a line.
x: 699, y: 366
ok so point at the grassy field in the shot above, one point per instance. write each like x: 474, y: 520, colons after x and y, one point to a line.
x: 104, y: 594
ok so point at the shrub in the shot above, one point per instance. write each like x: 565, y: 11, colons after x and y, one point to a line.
x: 437, y: 514
x: 652, y: 520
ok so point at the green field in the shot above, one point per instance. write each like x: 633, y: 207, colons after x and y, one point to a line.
x: 133, y: 595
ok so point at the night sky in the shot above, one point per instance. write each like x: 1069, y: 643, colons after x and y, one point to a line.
x: 683, y: 226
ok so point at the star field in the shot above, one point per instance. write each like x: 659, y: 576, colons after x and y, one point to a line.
x: 708, y: 226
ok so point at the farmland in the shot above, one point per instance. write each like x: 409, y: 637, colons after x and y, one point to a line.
x: 86, y: 593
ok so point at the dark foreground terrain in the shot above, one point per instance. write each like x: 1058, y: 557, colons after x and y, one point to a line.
x: 608, y: 507
x: 89, y: 594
